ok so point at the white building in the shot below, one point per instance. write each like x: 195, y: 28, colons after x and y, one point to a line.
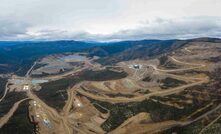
x: 26, y: 87
x: 136, y: 66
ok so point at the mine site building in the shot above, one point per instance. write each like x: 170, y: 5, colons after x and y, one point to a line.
x: 136, y: 66
x: 26, y: 87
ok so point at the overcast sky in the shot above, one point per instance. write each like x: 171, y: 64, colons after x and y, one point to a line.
x: 109, y: 20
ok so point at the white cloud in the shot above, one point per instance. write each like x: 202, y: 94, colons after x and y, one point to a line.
x: 108, y: 19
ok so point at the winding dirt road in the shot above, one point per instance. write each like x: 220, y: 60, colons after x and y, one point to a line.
x: 5, y: 92
x: 138, y: 98
x: 29, y: 71
x: 7, y: 116
x: 197, y: 81
x: 52, y: 112
x: 62, y: 117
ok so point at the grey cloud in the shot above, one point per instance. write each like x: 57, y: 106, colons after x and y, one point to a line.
x: 12, y: 28
x: 129, y: 19
x: 180, y: 28
x: 174, y: 28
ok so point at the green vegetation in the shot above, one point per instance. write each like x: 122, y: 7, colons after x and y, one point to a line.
x: 193, y: 128
x: 121, y: 95
x: 215, y: 75
x: 158, y: 112
x: 166, y: 63
x: 163, y: 60
x: 214, y: 129
x: 122, y: 111
x: 147, y: 79
x: 109, y: 49
x: 215, y: 59
x: 9, y: 100
x: 143, y: 50
x: 102, y: 75
x: 54, y: 92
x: 3, y: 82
x: 19, y: 58
x: 101, y: 109
x: 196, y: 127
x: 169, y: 82
x: 19, y: 122
x: 142, y: 91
